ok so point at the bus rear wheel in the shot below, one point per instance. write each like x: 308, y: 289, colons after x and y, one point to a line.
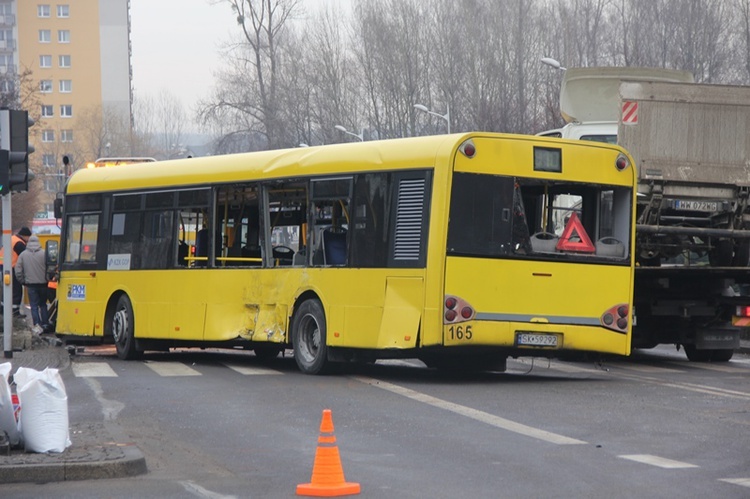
x: 309, y: 337
x: 123, y: 329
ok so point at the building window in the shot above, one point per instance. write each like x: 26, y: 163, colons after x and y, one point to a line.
x: 6, y: 86
x: 63, y: 36
x: 63, y: 11
x: 42, y: 10
x: 48, y: 160
x: 66, y: 135
x: 66, y: 111
x: 45, y: 86
x: 48, y: 135
x: 45, y: 61
x: 47, y: 111
x: 64, y: 61
x: 66, y: 86
x: 45, y: 36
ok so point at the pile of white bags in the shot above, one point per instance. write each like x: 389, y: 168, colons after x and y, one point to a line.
x: 8, y: 422
x: 43, y: 423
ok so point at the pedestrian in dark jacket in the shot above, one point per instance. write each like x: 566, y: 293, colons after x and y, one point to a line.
x: 31, y: 271
x: 18, y: 243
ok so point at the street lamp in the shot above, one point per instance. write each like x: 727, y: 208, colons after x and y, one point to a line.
x: 446, y: 116
x: 553, y: 63
x: 360, y: 136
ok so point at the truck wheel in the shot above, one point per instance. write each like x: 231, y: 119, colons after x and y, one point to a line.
x: 721, y: 254
x: 741, y: 253
x: 695, y: 355
x: 309, y: 337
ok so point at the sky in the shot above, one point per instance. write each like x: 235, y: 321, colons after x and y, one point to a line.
x: 176, y: 45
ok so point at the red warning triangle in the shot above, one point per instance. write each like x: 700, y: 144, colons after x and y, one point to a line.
x: 574, y: 237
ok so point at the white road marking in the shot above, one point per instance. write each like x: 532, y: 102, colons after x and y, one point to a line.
x: 171, y: 368
x: 475, y: 414
x: 93, y: 370
x: 246, y: 370
x: 661, y: 462
x: 110, y: 408
x: 722, y: 368
x: 745, y: 482
x: 199, y: 491
x: 645, y: 368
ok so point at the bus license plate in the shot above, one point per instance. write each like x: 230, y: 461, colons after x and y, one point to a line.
x: 537, y: 339
x: 690, y: 205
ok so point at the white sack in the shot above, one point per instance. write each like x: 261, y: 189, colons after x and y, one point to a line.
x: 44, y: 410
x: 8, y: 421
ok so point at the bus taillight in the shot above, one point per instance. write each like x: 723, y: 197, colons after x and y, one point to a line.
x: 743, y: 311
x: 616, y: 318
x: 468, y: 149
x: 456, y: 310
x: 622, y: 162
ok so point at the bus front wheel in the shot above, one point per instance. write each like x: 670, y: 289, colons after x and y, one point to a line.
x: 123, y: 329
x: 309, y: 337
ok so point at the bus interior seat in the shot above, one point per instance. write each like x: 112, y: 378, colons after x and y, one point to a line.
x: 299, y: 260
x: 334, y: 247
x: 182, y: 253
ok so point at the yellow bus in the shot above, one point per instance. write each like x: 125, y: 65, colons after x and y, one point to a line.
x: 459, y: 250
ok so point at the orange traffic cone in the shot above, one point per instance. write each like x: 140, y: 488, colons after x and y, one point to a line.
x: 327, y: 475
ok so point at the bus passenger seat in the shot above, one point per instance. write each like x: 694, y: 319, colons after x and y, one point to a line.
x: 334, y: 247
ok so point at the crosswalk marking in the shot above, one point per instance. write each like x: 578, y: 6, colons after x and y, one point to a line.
x: 661, y: 462
x: 745, y: 482
x: 170, y: 368
x: 93, y: 370
x: 249, y: 371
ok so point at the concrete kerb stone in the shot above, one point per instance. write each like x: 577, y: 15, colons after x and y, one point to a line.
x: 98, y: 450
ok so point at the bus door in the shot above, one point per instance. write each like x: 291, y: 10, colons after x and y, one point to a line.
x: 79, y: 286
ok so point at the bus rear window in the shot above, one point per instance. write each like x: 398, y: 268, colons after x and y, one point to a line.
x: 500, y: 216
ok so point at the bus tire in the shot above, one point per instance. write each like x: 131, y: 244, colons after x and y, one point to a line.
x: 309, y: 337
x: 123, y: 329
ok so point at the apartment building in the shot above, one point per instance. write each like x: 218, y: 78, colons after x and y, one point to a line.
x: 78, y: 52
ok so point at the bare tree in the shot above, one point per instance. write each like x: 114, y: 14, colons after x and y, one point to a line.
x: 254, y: 103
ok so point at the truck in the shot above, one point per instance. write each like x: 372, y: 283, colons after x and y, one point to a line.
x: 691, y: 145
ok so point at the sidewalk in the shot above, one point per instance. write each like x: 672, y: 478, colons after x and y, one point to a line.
x: 98, y: 450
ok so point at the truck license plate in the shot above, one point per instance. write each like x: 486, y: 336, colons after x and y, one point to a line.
x: 537, y: 339
x: 692, y: 205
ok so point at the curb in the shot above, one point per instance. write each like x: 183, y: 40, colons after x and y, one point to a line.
x: 102, y: 453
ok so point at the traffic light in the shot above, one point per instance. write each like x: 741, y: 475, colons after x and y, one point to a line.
x: 14, y: 150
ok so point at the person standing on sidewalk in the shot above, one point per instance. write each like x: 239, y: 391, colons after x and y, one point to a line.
x: 31, y: 270
x: 18, y: 243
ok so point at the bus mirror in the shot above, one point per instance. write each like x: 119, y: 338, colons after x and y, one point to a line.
x: 58, y: 207
x: 50, y: 252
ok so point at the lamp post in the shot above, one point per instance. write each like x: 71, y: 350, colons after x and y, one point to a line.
x: 553, y: 63
x: 446, y: 116
x: 360, y: 136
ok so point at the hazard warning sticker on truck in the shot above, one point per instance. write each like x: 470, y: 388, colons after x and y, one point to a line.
x: 630, y: 112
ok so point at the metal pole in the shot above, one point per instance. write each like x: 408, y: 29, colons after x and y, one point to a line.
x: 7, y: 279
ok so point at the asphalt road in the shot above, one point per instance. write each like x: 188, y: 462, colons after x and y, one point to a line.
x: 220, y: 424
